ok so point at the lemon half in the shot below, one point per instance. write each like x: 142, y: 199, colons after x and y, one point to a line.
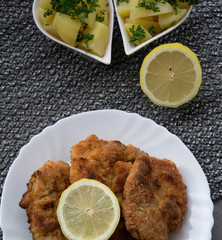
x: 170, y: 75
x: 88, y: 210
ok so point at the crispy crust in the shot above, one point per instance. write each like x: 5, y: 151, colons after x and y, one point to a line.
x: 155, y: 199
x: 41, y: 200
x: 106, y: 161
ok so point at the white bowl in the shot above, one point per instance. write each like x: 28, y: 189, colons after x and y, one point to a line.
x: 127, y: 46
x: 106, y: 59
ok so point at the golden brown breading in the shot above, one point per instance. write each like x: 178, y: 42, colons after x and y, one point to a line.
x: 106, y: 161
x: 41, y: 200
x: 155, y: 199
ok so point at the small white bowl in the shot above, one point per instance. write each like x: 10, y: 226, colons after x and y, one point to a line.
x: 127, y: 46
x: 106, y: 59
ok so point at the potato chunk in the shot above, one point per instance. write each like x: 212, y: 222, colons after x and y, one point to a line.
x: 144, y: 23
x: 128, y: 26
x: 67, y: 28
x: 45, y: 4
x: 124, y: 9
x: 91, y: 19
x: 170, y: 19
x: 103, y: 11
x: 139, y: 12
x: 45, y: 20
x: 100, y: 40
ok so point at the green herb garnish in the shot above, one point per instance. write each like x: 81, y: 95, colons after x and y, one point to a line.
x: 138, y: 34
x: 152, y: 31
x: 121, y: 1
x: 100, y: 18
x: 48, y: 12
x: 86, y: 37
x: 153, y: 4
x: 76, y: 9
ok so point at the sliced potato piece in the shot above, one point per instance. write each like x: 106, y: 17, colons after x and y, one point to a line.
x: 51, y: 30
x: 100, y: 40
x: 170, y: 19
x: 45, y: 20
x: 124, y: 9
x: 146, y: 24
x: 139, y: 12
x: 67, y: 28
x: 150, y: 18
x: 128, y: 26
x: 45, y: 4
x: 91, y: 19
x: 103, y: 11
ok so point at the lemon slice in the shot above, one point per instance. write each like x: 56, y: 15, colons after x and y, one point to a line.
x: 88, y: 210
x: 170, y: 75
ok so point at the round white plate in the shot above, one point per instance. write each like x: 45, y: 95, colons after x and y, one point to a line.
x: 54, y: 143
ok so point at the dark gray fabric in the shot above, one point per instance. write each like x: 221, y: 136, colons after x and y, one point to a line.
x: 42, y: 82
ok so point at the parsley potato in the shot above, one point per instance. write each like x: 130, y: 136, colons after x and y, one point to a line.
x: 135, y: 32
x: 79, y: 23
x: 153, y: 16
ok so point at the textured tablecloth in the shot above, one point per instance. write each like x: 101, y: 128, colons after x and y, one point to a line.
x: 42, y: 82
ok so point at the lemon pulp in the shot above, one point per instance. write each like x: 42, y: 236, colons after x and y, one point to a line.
x: 88, y: 210
x: 170, y: 75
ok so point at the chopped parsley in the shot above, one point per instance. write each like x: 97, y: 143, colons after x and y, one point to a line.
x: 76, y: 9
x: 153, y: 4
x: 86, y: 38
x: 121, y: 1
x: 100, y: 18
x: 138, y: 34
x: 48, y: 12
x: 152, y: 31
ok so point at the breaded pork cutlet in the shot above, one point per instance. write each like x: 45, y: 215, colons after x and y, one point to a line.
x: 155, y: 199
x: 106, y: 161
x: 41, y: 200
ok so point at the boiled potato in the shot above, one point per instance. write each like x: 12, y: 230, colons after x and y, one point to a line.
x: 170, y: 19
x: 139, y: 12
x: 144, y: 23
x: 67, y: 28
x: 52, y: 30
x: 100, y: 40
x: 124, y: 9
x: 104, y: 8
x: 152, y: 21
x: 45, y: 20
x: 44, y: 4
x: 91, y: 19
x: 130, y: 25
x: 74, y: 32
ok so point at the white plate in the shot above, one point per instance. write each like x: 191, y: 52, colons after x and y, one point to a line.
x: 106, y: 59
x: 129, y: 49
x: 54, y: 143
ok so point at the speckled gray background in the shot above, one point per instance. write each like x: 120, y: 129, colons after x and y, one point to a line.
x: 42, y: 82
